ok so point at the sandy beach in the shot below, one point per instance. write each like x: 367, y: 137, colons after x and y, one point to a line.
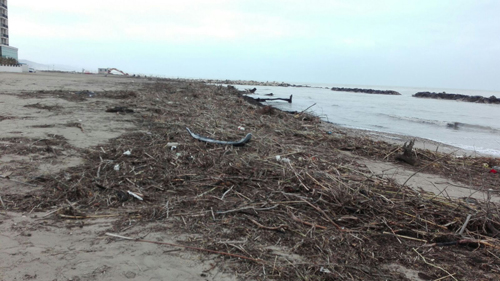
x: 78, y: 151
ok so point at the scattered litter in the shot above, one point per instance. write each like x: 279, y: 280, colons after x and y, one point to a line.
x: 172, y: 145
x: 289, y: 100
x: 311, y: 195
x: 284, y: 160
x: 128, y: 153
x: 241, y: 128
x: 122, y: 196
x: 241, y: 142
x: 324, y: 270
x: 117, y: 167
x: 86, y: 93
x: 136, y: 195
x: 120, y: 109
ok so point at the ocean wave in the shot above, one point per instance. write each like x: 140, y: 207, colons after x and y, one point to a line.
x: 481, y: 150
x: 446, y: 124
x: 416, y: 120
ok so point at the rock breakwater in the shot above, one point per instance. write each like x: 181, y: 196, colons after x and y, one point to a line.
x: 366, y: 91
x: 253, y: 83
x: 458, y: 97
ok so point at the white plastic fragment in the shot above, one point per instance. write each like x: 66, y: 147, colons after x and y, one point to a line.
x: 117, y: 167
x: 172, y: 145
x: 128, y: 153
x: 135, y: 195
x: 284, y: 160
x: 241, y: 128
x: 324, y: 270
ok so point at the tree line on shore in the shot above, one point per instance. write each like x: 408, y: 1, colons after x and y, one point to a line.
x: 8, y: 61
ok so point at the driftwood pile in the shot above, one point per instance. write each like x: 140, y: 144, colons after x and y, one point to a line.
x: 289, y: 205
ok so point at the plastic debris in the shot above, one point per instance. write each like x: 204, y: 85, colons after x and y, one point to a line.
x: 241, y: 142
x: 86, y: 93
x: 172, y: 145
x: 117, y: 167
x: 121, y: 109
x: 128, y: 153
x: 241, y: 128
x: 324, y: 270
x: 136, y: 195
x: 284, y: 160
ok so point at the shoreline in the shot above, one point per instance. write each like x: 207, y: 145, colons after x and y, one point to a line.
x: 398, y: 138
x: 421, y: 143
x: 392, y: 138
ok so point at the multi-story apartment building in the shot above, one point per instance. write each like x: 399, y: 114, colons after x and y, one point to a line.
x: 4, y: 23
x: 5, y: 49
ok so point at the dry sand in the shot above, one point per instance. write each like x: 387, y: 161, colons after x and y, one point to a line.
x: 35, y: 247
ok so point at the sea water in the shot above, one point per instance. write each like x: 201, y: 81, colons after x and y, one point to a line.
x: 477, y: 125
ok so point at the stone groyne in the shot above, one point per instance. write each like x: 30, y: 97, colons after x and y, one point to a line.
x: 458, y: 97
x: 253, y: 83
x: 366, y: 91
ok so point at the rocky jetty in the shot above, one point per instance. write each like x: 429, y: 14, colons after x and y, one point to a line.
x: 458, y: 97
x: 366, y: 91
x: 253, y: 83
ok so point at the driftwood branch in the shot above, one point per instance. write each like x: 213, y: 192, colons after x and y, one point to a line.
x: 407, y: 155
x: 289, y: 100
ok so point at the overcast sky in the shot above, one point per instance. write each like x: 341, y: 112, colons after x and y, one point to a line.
x: 435, y: 43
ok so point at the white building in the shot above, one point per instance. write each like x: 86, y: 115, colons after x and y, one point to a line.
x: 4, y: 23
x: 103, y: 70
x: 5, y: 50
